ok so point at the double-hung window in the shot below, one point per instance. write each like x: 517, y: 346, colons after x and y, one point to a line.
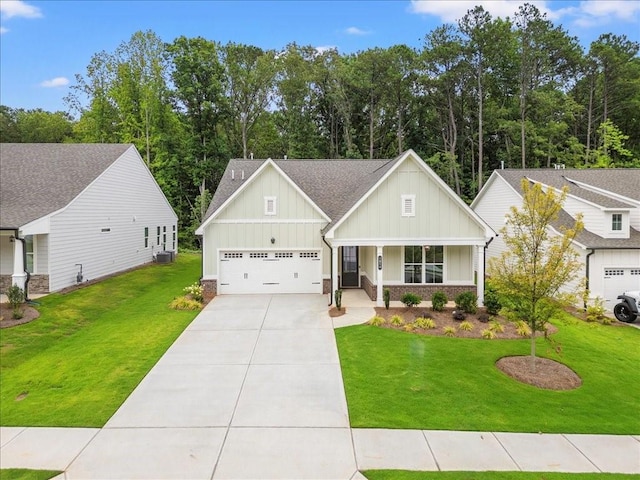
x: 423, y: 264
x: 616, y: 222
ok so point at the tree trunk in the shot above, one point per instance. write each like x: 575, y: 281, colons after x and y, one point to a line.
x: 589, y: 119
x: 244, y: 139
x: 480, y: 131
x: 371, y: 122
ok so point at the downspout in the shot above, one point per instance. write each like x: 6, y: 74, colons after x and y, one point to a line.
x: 586, y: 284
x: 330, y: 271
x: 24, y: 265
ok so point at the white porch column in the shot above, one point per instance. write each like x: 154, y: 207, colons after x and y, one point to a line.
x: 480, y: 274
x: 334, y: 270
x: 19, y: 277
x: 379, y: 277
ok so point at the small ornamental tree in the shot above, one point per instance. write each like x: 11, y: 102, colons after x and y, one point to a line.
x: 537, y: 262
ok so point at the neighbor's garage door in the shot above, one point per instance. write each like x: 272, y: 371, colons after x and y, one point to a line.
x: 270, y: 272
x: 617, y: 281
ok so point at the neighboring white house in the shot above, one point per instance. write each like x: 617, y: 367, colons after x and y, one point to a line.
x: 314, y: 226
x: 66, y: 207
x: 608, y: 199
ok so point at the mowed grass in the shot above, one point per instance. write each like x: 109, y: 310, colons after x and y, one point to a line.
x: 77, y: 363
x: 406, y: 475
x: 23, y: 474
x: 402, y: 380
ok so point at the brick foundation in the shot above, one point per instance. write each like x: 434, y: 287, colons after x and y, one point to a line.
x: 425, y: 291
x: 37, y: 283
x: 326, y: 286
x: 210, y: 287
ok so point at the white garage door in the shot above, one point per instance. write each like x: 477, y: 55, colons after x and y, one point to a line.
x: 258, y: 271
x: 618, y: 280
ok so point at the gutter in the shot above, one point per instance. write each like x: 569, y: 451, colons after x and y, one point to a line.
x: 592, y: 251
x: 331, y: 271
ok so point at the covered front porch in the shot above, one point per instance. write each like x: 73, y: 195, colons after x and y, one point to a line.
x: 401, y: 267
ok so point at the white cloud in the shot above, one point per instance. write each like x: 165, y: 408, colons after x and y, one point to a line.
x: 18, y: 8
x: 3, y: 30
x: 325, y: 48
x: 55, y: 82
x: 356, y: 31
x: 449, y: 11
x: 601, y: 12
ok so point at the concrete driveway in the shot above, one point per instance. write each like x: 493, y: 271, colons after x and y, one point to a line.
x: 251, y: 389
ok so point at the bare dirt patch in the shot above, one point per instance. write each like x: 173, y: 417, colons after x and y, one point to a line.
x: 335, y: 312
x: 6, y: 315
x: 540, y: 372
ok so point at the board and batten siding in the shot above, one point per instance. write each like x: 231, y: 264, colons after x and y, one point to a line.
x: 437, y: 214
x: 243, y: 225
x: 6, y: 253
x: 124, y: 199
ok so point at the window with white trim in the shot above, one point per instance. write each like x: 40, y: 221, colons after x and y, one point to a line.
x: 146, y: 237
x: 616, y: 222
x: 269, y: 205
x: 408, y: 205
x: 29, y: 249
x: 423, y: 264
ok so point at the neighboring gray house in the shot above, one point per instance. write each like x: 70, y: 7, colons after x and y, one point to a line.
x: 314, y: 226
x: 69, y: 206
x: 609, y: 200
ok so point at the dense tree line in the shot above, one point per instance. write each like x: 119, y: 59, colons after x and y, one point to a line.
x: 478, y: 94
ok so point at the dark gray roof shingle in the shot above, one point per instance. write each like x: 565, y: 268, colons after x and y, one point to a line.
x: 333, y: 185
x: 37, y: 179
x: 624, y: 182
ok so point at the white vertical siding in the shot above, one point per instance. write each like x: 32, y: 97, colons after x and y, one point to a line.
x: 497, y: 198
x: 602, y: 259
x: 6, y: 253
x: 458, y: 263
x: 437, y: 213
x: 124, y: 199
x: 392, y: 268
x: 41, y: 254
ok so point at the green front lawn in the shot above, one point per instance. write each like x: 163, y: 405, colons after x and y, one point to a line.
x: 23, y: 474
x: 77, y: 363
x: 396, y: 379
x: 405, y: 475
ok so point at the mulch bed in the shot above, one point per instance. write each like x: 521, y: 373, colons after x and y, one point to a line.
x: 334, y: 312
x: 6, y: 315
x: 445, y: 319
x: 543, y: 373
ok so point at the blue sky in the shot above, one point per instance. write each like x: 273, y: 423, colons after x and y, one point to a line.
x: 43, y: 44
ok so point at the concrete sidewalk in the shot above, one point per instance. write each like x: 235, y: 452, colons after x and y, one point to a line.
x: 253, y: 389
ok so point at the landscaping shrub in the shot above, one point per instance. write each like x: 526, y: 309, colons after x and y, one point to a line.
x: 466, y: 326
x: 595, y: 311
x: 491, y: 300
x: 411, y: 299
x: 195, y: 291
x: 396, y: 320
x: 522, y: 328
x: 185, y: 303
x: 15, y: 295
x: 483, y: 317
x: 467, y: 301
x: 386, y: 296
x: 488, y: 334
x: 459, y: 315
x: 496, y: 327
x: 438, y: 301
x: 338, y: 299
x: 449, y: 331
x: 409, y: 327
x: 377, y: 321
x: 425, y: 323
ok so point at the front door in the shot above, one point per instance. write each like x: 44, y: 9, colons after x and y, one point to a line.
x: 350, y: 266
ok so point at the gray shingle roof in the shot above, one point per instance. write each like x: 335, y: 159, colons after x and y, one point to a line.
x: 333, y: 185
x: 624, y: 181
x: 37, y: 179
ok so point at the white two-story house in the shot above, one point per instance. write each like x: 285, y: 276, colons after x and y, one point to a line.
x: 608, y: 199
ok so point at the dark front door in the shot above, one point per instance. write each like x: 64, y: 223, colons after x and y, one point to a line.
x: 349, y: 266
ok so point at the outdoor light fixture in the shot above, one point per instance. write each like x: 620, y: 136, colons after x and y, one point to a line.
x: 273, y: 240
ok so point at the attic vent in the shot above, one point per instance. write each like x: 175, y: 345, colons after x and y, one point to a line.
x: 269, y: 205
x: 408, y: 205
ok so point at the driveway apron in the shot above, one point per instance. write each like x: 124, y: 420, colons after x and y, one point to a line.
x: 251, y: 389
